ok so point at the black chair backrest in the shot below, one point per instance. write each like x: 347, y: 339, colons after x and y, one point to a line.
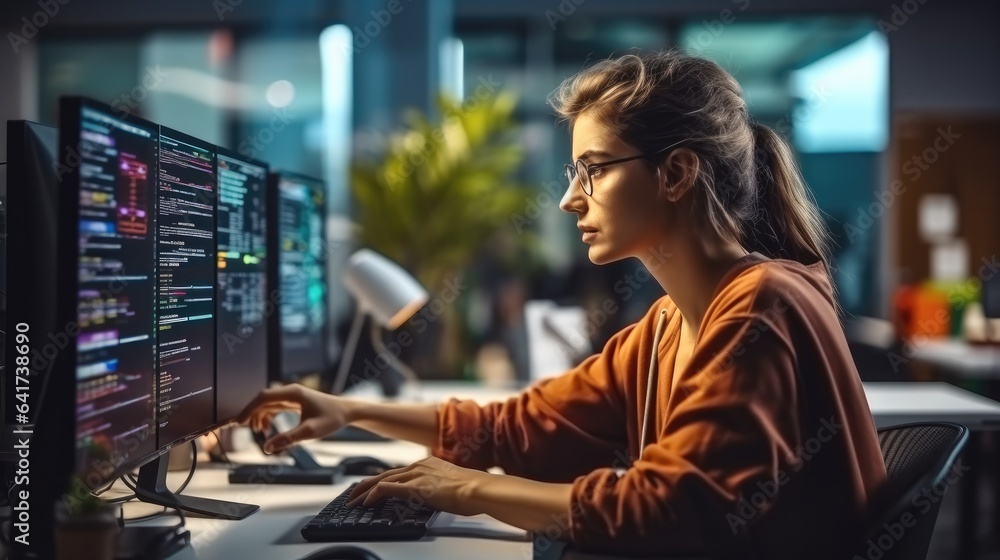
x: 919, y: 460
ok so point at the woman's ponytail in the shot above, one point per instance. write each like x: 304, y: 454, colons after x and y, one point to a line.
x: 787, y: 224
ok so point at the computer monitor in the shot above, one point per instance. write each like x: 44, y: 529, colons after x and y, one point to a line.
x: 138, y: 278
x: 244, y: 300
x: 298, y: 272
x: 185, y: 283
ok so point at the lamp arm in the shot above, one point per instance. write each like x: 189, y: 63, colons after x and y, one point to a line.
x: 347, y: 357
x: 397, y: 364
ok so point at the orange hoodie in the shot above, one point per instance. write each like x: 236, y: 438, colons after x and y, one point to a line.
x: 763, y: 444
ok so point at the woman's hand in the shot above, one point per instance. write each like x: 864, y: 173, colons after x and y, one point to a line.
x: 320, y: 414
x: 431, y: 482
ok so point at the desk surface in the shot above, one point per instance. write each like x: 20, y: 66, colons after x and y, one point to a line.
x: 272, y: 532
x: 902, y: 403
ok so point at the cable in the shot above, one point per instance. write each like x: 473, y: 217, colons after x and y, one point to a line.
x: 222, y: 450
x: 131, y: 485
x: 121, y: 499
x: 194, y: 464
x: 117, y: 499
x: 105, y: 489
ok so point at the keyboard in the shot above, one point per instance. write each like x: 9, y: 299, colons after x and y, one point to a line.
x: 392, y: 520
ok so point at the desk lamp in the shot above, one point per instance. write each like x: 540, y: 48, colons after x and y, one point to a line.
x: 386, y: 293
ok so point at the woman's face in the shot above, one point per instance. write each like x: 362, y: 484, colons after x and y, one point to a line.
x: 625, y: 215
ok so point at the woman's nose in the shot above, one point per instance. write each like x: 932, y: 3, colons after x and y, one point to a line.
x: 571, y: 199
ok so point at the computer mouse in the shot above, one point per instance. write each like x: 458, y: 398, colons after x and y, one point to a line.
x: 343, y: 552
x: 362, y: 465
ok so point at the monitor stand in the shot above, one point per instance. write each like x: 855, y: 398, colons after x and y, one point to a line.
x: 152, y: 488
x: 305, y: 470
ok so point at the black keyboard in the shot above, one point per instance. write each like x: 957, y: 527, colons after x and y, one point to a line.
x: 392, y: 520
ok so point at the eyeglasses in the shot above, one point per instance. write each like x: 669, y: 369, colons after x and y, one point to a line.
x: 584, y: 170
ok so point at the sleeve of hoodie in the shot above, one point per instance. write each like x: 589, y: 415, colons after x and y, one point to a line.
x: 732, y: 423
x: 554, y: 431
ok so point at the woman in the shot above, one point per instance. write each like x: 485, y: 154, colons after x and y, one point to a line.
x: 730, y: 418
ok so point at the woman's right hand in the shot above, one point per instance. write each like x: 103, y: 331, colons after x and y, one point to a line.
x: 320, y: 414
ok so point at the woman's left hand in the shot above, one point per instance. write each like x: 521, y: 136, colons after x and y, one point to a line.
x: 430, y: 482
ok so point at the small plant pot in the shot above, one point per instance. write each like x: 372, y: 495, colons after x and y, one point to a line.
x: 86, y: 536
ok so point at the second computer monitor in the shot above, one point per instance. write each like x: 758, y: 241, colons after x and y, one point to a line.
x: 298, y: 273
x: 185, y: 287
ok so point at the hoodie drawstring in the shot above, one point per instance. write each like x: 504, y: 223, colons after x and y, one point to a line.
x: 651, y: 385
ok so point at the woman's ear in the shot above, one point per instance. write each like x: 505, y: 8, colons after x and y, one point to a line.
x: 677, y: 174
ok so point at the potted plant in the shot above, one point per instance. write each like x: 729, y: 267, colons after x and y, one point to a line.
x: 86, y: 527
x: 442, y: 193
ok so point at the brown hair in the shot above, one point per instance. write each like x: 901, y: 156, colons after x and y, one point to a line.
x: 749, y: 186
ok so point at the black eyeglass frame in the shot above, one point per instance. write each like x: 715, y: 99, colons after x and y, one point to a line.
x: 572, y: 170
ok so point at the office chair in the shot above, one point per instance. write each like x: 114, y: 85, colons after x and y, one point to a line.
x: 918, y: 458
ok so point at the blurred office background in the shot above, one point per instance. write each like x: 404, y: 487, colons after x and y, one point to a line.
x: 892, y: 107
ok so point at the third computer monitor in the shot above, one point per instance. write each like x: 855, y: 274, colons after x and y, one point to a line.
x: 298, y: 273
x: 243, y: 302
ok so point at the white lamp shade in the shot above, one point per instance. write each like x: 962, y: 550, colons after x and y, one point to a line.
x: 383, y: 288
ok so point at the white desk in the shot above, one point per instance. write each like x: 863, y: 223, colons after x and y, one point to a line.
x: 272, y: 532
x: 902, y: 403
